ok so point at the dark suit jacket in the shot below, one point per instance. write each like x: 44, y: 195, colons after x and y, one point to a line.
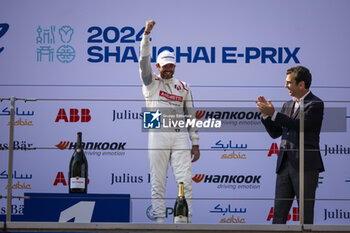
x: 287, y: 126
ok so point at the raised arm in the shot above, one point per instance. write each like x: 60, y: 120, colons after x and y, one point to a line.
x: 145, y: 54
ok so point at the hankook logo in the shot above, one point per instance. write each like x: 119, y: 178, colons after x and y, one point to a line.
x: 62, y: 145
x: 228, y: 114
x: 249, y: 179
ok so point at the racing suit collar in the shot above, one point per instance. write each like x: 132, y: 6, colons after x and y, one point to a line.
x: 168, y: 81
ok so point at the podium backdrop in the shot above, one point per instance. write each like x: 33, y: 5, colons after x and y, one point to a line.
x: 78, y: 57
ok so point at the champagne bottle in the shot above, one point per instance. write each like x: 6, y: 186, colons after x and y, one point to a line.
x: 78, y: 169
x: 181, y: 207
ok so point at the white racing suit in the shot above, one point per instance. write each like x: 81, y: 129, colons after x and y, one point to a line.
x: 174, y: 95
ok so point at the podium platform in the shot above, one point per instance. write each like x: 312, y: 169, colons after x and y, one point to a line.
x: 78, y: 208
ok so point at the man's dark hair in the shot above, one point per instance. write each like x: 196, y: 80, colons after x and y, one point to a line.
x: 301, y: 74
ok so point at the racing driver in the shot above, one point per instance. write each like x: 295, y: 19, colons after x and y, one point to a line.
x: 172, y: 146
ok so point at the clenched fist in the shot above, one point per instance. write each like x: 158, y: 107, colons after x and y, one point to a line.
x: 149, y: 26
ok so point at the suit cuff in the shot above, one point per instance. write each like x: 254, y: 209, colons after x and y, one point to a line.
x: 265, y: 117
x: 273, y: 118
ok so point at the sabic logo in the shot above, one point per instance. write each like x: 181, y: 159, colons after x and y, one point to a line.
x: 19, y: 185
x: 273, y: 149
x: 233, y: 155
x: 74, y: 115
x: 233, y: 220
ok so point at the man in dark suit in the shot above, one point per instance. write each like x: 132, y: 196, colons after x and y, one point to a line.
x: 286, y: 124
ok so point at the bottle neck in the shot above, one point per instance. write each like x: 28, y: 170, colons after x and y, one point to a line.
x: 181, y: 190
x: 79, y: 141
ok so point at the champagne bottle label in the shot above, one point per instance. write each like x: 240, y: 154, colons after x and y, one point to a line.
x: 77, y: 183
x: 180, y: 219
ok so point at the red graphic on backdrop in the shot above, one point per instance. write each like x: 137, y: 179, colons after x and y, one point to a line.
x: 273, y: 149
x: 74, y: 115
x: 63, y: 145
x: 198, y: 178
x: 295, y: 215
x: 200, y: 114
x: 60, y: 179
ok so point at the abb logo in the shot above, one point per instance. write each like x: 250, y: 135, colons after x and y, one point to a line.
x: 198, y: 178
x: 273, y: 149
x: 295, y: 215
x: 74, y: 115
x: 60, y: 179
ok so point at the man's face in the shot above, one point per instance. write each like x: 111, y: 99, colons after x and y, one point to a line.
x: 294, y: 89
x: 167, y: 71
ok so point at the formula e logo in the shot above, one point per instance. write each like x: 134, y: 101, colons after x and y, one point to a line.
x: 4, y: 27
x: 151, y: 120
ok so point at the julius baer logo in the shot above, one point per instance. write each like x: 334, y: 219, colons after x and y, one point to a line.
x: 157, y: 120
